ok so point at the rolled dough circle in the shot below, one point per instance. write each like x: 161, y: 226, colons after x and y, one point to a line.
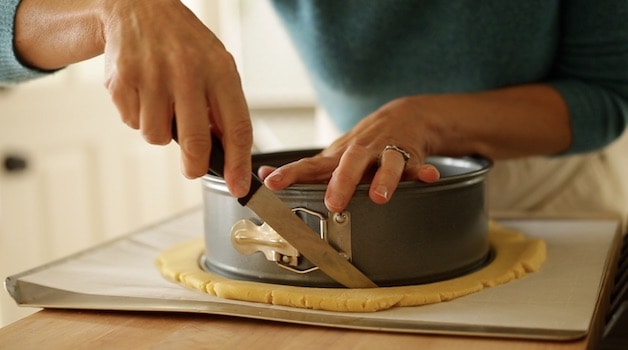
x: 515, y: 256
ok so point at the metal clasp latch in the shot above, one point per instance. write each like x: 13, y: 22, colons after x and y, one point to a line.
x: 248, y: 238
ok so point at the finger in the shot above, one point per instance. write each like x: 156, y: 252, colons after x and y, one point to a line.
x: 428, y: 173
x: 156, y: 115
x: 193, y: 131
x: 126, y: 100
x: 387, y: 176
x: 230, y: 112
x: 265, y: 170
x: 306, y: 170
x: 353, y: 164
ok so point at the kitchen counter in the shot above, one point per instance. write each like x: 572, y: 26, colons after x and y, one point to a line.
x: 59, y: 328
x: 64, y: 329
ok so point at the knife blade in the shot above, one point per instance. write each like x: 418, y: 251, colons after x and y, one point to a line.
x: 263, y: 202
x: 280, y: 217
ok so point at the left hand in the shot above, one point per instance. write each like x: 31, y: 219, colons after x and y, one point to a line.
x: 505, y: 123
x: 359, y: 156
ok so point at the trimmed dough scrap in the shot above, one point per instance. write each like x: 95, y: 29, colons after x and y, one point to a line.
x: 515, y: 256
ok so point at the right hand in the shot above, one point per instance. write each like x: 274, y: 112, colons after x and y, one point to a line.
x: 161, y: 62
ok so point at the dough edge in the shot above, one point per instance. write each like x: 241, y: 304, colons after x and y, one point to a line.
x: 515, y: 257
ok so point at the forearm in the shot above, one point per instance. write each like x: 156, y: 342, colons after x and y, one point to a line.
x: 525, y: 120
x: 53, y: 34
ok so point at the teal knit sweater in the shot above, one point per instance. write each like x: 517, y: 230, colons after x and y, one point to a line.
x: 362, y: 54
x: 11, y: 69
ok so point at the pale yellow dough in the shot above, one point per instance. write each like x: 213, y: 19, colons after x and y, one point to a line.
x: 515, y: 256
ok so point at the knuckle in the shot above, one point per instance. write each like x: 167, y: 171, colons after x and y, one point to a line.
x: 388, y: 173
x: 224, y: 59
x: 345, y: 178
x: 228, y: 69
x: 133, y: 123
x: 112, y: 84
x: 156, y: 137
x: 118, y: 96
x: 242, y: 134
x: 128, y: 66
x: 125, y: 72
x: 357, y: 150
x: 222, y: 63
x: 307, y: 165
x: 195, y: 145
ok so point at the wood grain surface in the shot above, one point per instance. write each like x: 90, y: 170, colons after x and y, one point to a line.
x: 72, y: 329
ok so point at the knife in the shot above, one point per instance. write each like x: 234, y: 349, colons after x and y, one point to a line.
x: 280, y: 217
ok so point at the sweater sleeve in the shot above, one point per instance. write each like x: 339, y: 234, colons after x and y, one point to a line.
x: 11, y: 69
x: 591, y: 71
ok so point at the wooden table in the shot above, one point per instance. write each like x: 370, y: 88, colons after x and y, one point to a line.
x: 65, y: 329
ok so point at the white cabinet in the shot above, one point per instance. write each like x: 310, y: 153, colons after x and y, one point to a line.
x: 86, y: 176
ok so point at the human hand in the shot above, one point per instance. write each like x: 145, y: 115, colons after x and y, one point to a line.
x: 162, y: 62
x: 360, y: 156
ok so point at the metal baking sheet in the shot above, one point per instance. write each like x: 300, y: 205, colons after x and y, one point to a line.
x: 556, y: 303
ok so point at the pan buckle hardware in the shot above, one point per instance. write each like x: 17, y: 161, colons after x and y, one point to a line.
x: 248, y: 238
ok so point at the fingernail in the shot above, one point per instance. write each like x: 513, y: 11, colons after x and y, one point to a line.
x: 333, y: 203
x: 275, y: 177
x: 382, y: 191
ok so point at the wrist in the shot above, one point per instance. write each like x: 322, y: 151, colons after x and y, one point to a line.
x: 50, y: 35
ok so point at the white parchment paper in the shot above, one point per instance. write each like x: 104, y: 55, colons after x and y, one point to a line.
x: 556, y: 302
